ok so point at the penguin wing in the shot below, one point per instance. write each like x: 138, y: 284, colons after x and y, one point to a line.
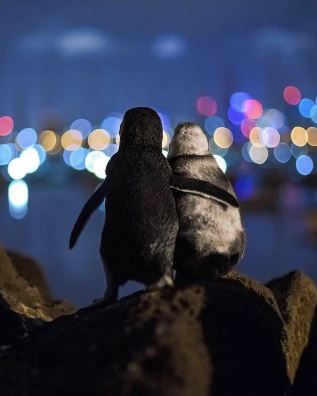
x: 204, y: 188
x: 90, y: 206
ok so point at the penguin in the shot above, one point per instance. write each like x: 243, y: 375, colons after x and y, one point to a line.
x: 211, y: 238
x: 141, y: 224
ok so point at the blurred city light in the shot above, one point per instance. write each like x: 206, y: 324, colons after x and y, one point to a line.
x: 292, y: 95
x: 304, y: 165
x: 6, y: 125
x: 26, y: 138
x: 98, y: 139
x: 71, y: 140
x: 206, y: 105
x: 18, y: 196
x: 223, y: 137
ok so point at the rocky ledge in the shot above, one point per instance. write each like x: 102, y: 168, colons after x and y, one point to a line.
x: 231, y: 336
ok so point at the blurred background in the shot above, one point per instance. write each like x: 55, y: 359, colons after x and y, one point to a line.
x: 244, y: 70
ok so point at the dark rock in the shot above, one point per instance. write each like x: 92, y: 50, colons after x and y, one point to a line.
x: 296, y: 295
x: 220, y: 338
x: 24, y: 289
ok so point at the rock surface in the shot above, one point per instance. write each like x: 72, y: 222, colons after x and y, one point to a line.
x: 224, y: 337
x: 24, y: 288
x: 296, y: 295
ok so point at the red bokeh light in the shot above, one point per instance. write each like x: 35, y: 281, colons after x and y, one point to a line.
x: 206, y: 105
x: 292, y: 95
x: 252, y: 108
x: 246, y: 126
x: 6, y: 125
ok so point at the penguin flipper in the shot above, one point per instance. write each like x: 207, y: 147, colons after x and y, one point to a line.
x: 201, y: 187
x: 90, y: 206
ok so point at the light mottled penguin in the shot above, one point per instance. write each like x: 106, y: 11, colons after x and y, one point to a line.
x: 141, y: 225
x: 211, y: 238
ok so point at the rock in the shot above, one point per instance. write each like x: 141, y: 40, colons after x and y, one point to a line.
x: 223, y: 337
x: 306, y: 379
x: 296, y: 295
x: 24, y: 289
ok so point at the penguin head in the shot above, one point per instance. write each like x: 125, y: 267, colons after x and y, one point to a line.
x: 188, y: 139
x: 141, y: 127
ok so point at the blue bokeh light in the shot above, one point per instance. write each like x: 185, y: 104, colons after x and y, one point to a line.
x: 82, y: 125
x: 212, y: 123
x: 305, y: 106
x: 111, y: 149
x: 234, y: 116
x: 27, y: 137
x: 77, y: 158
x: 237, y: 99
x: 5, y: 154
x: 112, y: 124
x: 304, y: 165
x: 282, y: 153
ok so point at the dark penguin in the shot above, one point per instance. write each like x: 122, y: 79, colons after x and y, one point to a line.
x: 211, y: 238
x: 141, y: 223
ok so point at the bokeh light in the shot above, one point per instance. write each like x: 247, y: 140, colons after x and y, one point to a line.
x: 91, y: 159
x: 112, y: 124
x: 304, y: 165
x: 26, y: 138
x: 292, y: 95
x: 98, y: 139
x: 299, y: 136
x: 312, y: 136
x: 111, y: 149
x: 223, y: 137
x: 234, y: 116
x: 206, y: 105
x: 41, y: 153
x: 258, y: 154
x: 6, y: 125
x: 66, y: 157
x: 16, y: 169
x: 252, y: 108
x: 237, y: 99
x: 71, y: 140
x: 212, y: 123
x: 166, y: 122
x: 215, y: 149
x: 246, y: 126
x: 166, y: 140
x: 282, y: 153
x: 298, y: 151
x: 31, y: 160
x: 221, y: 162
x: 99, y: 166
x: 77, y: 158
x: 49, y: 140
x: 273, y: 118
x: 313, y: 114
x: 82, y: 125
x: 6, y: 154
x: 305, y: 106
x: 245, y: 151
x: 270, y: 137
x: 255, y: 137
x: 18, y: 196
